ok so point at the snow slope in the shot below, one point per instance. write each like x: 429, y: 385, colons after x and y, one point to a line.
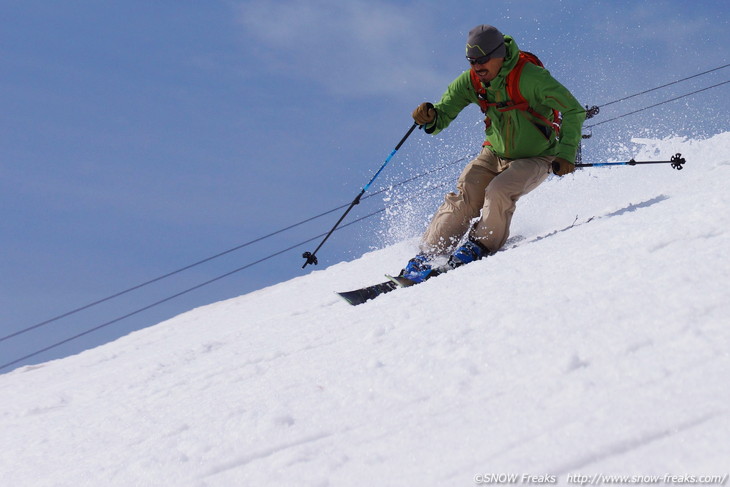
x: 596, y: 345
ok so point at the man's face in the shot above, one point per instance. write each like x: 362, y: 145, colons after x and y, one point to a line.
x: 488, y: 71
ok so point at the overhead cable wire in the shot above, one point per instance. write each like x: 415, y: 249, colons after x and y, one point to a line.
x: 657, y: 104
x: 164, y: 276
x: 664, y: 86
x: 223, y: 253
x: 210, y: 281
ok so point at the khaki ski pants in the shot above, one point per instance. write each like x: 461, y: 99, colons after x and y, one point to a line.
x: 488, y: 184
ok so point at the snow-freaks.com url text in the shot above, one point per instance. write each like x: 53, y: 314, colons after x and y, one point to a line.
x: 600, y: 479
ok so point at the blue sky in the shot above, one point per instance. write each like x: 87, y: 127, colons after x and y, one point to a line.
x: 140, y: 137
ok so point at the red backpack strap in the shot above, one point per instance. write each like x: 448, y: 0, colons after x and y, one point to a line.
x: 482, y: 99
x: 513, y: 82
x: 516, y: 100
x: 519, y: 101
x: 480, y: 91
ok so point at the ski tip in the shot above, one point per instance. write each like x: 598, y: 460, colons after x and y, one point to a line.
x: 360, y: 296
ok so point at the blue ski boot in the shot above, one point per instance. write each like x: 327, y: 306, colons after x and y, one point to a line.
x: 469, y: 252
x: 418, y: 269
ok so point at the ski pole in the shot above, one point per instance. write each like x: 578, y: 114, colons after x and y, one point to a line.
x: 676, y: 161
x: 312, y: 256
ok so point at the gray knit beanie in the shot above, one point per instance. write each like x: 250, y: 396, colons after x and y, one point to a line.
x: 485, y: 40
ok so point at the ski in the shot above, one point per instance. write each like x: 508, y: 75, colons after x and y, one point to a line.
x: 359, y: 296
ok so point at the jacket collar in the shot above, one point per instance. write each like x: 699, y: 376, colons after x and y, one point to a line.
x: 510, y: 61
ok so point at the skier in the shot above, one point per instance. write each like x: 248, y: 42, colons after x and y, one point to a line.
x: 522, y: 146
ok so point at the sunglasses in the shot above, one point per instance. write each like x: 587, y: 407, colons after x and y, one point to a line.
x: 478, y: 60
x: 483, y: 59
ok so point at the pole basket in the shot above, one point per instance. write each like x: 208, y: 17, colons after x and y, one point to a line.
x: 677, y: 161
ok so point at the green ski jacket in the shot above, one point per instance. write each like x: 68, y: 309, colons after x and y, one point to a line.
x: 515, y: 134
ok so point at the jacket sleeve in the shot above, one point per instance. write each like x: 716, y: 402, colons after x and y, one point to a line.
x: 545, y: 90
x: 458, y: 95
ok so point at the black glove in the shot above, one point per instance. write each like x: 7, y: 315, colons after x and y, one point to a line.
x: 561, y: 167
x: 424, y: 114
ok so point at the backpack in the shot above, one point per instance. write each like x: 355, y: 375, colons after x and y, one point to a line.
x: 516, y: 100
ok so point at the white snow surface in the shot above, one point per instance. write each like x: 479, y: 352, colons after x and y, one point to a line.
x: 596, y: 344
